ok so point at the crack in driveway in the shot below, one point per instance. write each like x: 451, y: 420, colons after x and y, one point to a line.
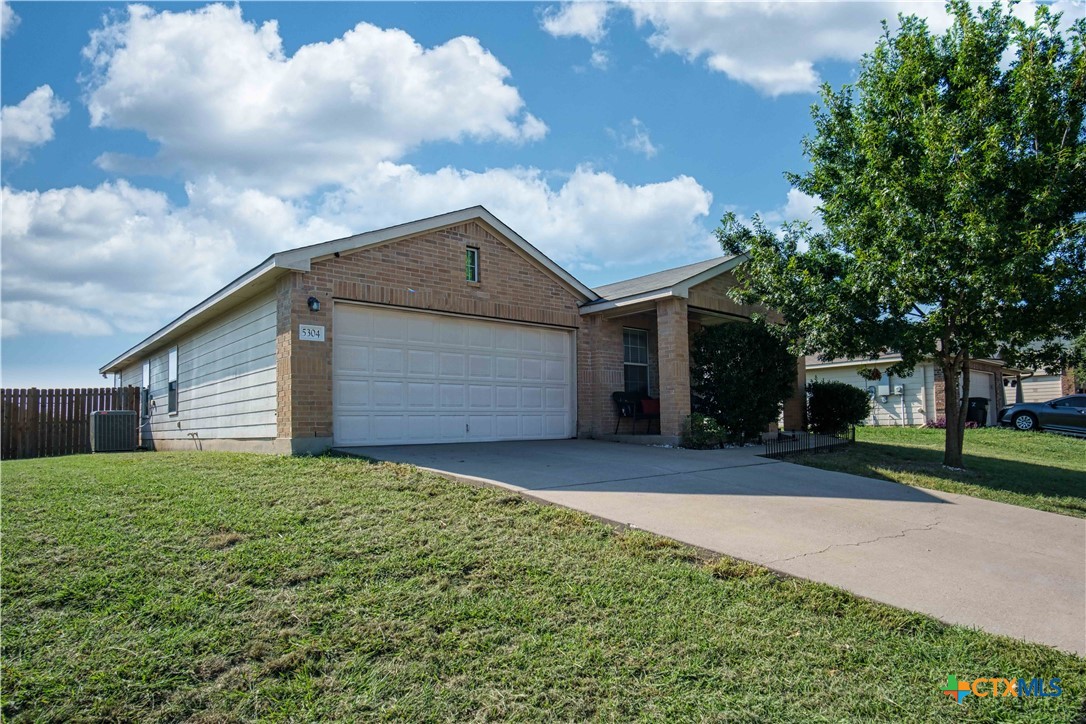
x: 901, y: 534
x: 664, y: 474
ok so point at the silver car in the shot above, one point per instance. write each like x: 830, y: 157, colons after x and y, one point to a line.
x: 1064, y: 414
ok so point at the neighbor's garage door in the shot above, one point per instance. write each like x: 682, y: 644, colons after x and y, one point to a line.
x: 413, y: 377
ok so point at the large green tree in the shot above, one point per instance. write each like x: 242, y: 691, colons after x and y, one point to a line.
x: 952, y: 185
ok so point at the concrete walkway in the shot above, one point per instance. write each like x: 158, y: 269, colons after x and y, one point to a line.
x: 1001, y: 568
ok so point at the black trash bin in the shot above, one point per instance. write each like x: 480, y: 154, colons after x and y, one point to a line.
x: 978, y: 411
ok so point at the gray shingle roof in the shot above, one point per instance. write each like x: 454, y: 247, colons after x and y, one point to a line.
x: 658, y: 280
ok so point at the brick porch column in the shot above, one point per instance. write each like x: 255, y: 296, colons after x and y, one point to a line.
x: 673, y: 352
x: 795, y: 407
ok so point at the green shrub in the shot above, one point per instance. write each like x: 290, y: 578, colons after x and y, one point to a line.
x: 701, y: 432
x: 834, y: 406
x: 743, y: 374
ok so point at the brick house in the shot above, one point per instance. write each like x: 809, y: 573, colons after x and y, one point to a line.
x: 446, y: 329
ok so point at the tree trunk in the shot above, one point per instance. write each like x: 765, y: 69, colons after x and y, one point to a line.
x: 964, y: 408
x: 955, y: 418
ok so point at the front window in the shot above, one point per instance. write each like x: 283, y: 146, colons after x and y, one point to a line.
x: 635, y: 357
x: 171, y: 391
x: 471, y: 264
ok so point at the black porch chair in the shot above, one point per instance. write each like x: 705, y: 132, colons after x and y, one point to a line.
x: 636, y: 407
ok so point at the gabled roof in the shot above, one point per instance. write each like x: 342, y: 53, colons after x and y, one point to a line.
x: 674, y: 282
x: 263, y: 275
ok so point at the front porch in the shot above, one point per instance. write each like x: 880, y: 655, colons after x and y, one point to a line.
x: 638, y: 342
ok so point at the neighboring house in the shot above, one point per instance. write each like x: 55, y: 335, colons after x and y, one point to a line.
x: 921, y: 396
x: 1042, y: 387
x: 447, y: 329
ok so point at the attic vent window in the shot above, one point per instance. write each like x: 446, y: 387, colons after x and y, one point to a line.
x: 471, y: 264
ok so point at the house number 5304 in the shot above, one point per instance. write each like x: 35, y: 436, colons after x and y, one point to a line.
x: 311, y: 333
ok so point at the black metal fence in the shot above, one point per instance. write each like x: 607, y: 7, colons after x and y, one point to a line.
x: 796, y: 443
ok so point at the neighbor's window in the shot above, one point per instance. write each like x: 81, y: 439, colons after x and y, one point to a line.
x: 471, y: 264
x: 145, y: 393
x: 635, y: 357
x: 171, y: 400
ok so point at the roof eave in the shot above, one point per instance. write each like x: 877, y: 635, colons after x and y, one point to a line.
x: 263, y: 272
x: 680, y: 289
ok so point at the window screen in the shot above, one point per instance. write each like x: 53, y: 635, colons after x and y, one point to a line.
x: 635, y: 357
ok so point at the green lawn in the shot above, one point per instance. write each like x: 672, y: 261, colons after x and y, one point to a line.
x: 222, y: 587
x: 1037, y: 470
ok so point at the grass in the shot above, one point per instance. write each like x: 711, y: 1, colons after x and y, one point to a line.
x: 222, y: 587
x: 1035, y: 470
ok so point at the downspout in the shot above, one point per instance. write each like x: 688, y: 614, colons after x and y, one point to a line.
x: 903, y: 405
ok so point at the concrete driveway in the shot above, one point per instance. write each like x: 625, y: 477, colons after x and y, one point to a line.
x: 1002, y: 568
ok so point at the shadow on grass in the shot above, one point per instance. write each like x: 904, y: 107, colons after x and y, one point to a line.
x: 1063, y: 489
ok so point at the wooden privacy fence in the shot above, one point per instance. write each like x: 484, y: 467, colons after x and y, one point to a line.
x: 43, y: 423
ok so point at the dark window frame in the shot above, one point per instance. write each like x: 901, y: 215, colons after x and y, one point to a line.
x: 471, y: 264
x: 635, y: 372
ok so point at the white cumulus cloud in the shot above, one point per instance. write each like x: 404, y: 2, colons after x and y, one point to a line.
x: 129, y: 259
x: 635, y: 138
x: 588, y: 219
x: 29, y: 123
x: 8, y: 20
x: 119, y: 257
x: 221, y: 97
x: 577, y: 19
x: 771, y: 45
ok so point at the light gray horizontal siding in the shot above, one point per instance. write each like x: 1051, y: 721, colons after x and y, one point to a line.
x: 132, y: 376
x: 226, y: 378
x: 919, y: 394
x: 1040, y: 388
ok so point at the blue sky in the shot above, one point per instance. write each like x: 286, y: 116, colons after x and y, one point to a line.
x: 153, y: 152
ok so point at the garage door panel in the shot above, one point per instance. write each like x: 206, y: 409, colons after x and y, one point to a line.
x: 452, y: 427
x: 531, y: 369
x: 480, y: 427
x: 506, y: 397
x: 480, y: 367
x: 354, y: 393
x: 531, y: 340
x: 387, y: 394
x: 453, y: 396
x: 353, y: 358
x: 389, y: 428
x: 531, y: 425
x: 414, y: 377
x: 422, y: 362
x: 387, y: 360
x: 387, y: 328
x: 452, y: 364
x: 422, y: 394
x: 355, y: 427
x: 555, y: 370
x: 422, y: 428
x: 506, y: 339
x: 355, y: 325
x: 480, y: 336
x: 531, y: 398
x: 505, y: 368
x: 480, y: 396
x: 450, y: 332
x: 553, y: 425
x: 421, y: 329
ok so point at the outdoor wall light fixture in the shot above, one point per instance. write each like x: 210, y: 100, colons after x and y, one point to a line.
x: 314, y: 304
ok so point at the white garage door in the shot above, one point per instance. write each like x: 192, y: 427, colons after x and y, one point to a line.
x: 982, y: 384
x: 411, y: 377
